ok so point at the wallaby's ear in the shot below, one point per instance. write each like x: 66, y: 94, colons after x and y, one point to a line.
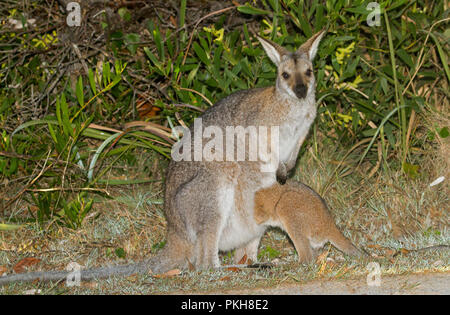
x: 311, y: 45
x: 273, y: 50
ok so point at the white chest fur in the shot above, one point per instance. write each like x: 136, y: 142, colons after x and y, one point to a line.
x: 296, y: 127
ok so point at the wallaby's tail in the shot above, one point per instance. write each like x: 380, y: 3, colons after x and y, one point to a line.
x: 165, y: 260
x: 342, y: 243
x: 85, y: 275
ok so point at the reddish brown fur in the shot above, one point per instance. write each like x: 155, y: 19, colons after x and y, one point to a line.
x: 303, y: 214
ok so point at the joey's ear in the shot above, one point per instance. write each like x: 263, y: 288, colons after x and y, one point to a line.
x: 311, y: 45
x: 273, y: 50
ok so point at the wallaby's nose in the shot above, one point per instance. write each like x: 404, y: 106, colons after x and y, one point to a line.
x: 300, y: 90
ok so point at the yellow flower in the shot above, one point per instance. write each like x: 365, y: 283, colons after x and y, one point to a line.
x: 46, y: 40
x: 357, y: 81
x: 217, y: 33
x: 342, y: 53
x: 270, y: 26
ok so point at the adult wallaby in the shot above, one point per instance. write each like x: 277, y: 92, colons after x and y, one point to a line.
x: 209, y: 204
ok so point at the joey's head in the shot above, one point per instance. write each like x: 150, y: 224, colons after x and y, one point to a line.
x: 295, y: 72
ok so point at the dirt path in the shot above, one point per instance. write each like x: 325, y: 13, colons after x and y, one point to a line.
x: 427, y: 283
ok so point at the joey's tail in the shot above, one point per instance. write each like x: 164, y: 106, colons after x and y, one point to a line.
x: 342, y: 243
x: 162, y: 262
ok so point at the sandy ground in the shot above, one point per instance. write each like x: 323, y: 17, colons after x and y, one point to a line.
x: 427, y: 283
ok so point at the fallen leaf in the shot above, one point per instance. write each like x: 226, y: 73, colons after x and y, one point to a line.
x: 226, y: 278
x: 243, y: 260
x: 191, y: 267
x: 90, y: 284
x: 3, y: 270
x: 173, y: 272
x: 375, y: 246
x: 389, y: 252
x: 173, y: 21
x: 168, y: 274
x: 322, y: 257
x: 322, y: 268
x: 404, y: 251
x: 234, y: 269
x: 26, y: 262
x: 146, y: 109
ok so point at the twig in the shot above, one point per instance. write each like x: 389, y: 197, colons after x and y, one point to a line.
x: 68, y: 189
x: 18, y: 156
x: 189, y: 106
x: 78, y: 53
x: 193, y: 31
x: 197, y: 92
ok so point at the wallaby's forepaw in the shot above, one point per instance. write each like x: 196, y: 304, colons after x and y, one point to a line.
x: 282, y: 174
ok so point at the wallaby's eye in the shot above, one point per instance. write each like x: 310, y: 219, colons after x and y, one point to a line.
x: 285, y: 75
x: 308, y: 72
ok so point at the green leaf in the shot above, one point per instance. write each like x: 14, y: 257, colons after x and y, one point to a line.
x: 406, y: 58
x: 65, y: 115
x: 442, y: 55
x: 52, y: 133
x: 92, y: 81
x: 362, y: 10
x: 120, y: 252
x: 159, y: 43
x: 268, y: 252
x: 124, y: 14
x: 247, y: 9
x: 106, y: 73
x: 152, y: 57
x: 192, y: 75
x: 201, y: 54
x: 9, y: 227
x: 444, y: 133
x: 411, y: 170
x: 132, y: 41
x: 79, y: 91
x: 158, y: 245
x: 182, y: 13
x: 97, y: 154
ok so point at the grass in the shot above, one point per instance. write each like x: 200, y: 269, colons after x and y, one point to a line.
x: 75, y: 143
x: 383, y: 217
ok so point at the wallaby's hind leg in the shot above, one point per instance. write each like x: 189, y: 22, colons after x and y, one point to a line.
x: 301, y: 243
x: 219, y: 207
x: 203, y: 205
x: 251, y: 250
x: 293, y: 226
x: 175, y: 254
x: 303, y: 248
x: 207, y: 250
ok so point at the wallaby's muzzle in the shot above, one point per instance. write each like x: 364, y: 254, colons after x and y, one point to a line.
x: 301, y: 90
